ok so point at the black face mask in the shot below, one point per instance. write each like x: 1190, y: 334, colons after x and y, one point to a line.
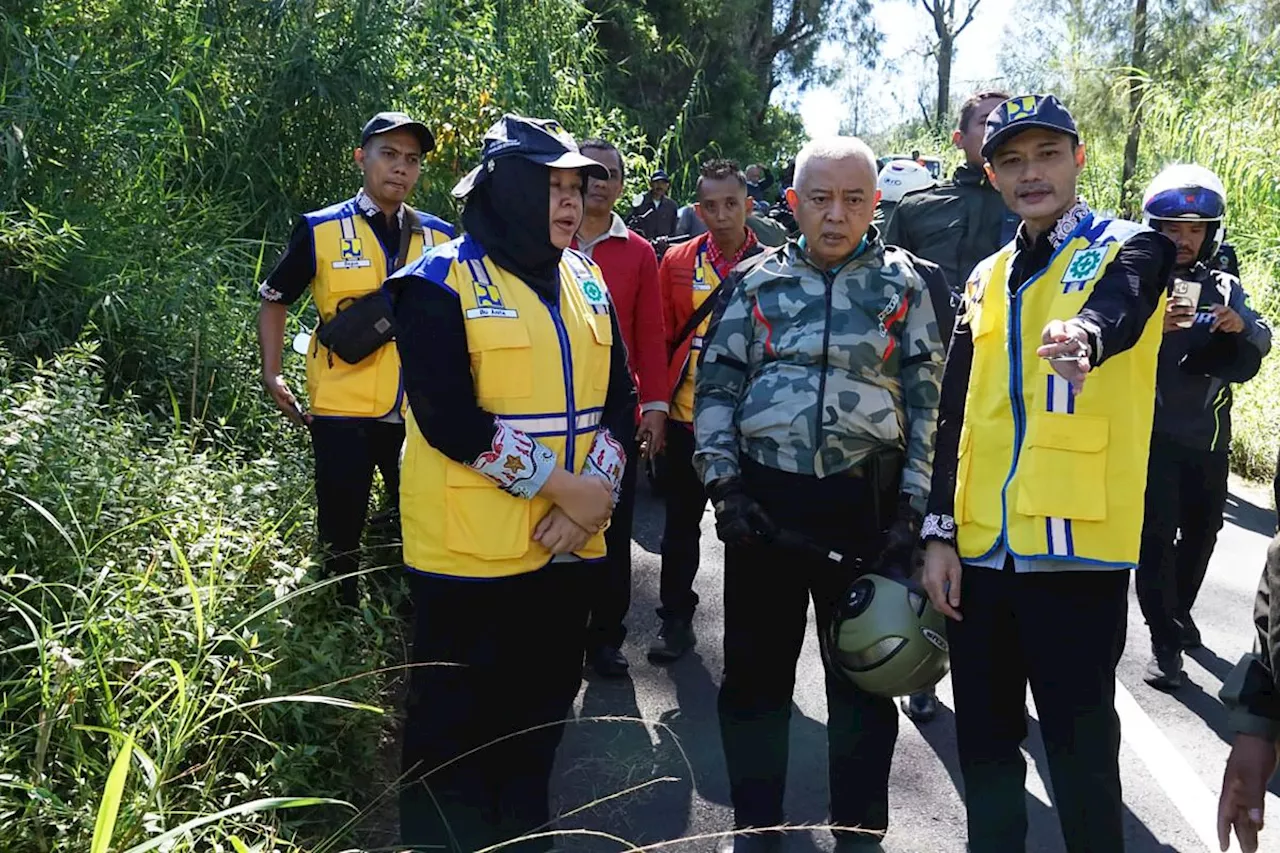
x: 509, y: 214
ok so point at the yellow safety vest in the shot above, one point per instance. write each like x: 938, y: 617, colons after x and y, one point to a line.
x: 705, y: 282
x: 350, y: 263
x: 1048, y: 474
x: 544, y: 370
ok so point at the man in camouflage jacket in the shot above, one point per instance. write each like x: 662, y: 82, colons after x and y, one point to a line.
x: 815, y: 411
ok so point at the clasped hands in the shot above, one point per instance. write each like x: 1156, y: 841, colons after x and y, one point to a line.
x: 583, y: 504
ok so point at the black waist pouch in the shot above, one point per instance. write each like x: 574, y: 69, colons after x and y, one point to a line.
x: 360, y: 328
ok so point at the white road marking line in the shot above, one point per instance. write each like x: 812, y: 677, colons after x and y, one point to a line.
x: 1192, y: 798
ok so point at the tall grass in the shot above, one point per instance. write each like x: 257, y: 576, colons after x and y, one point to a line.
x: 163, y: 656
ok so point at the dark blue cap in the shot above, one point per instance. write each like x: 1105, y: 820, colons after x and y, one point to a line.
x: 1024, y: 113
x: 384, y: 122
x: 541, y: 140
x: 659, y: 175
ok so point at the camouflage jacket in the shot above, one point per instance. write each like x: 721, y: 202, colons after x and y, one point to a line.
x: 811, y: 372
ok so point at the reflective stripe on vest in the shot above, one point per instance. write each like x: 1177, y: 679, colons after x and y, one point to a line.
x: 1046, y: 473
x: 350, y: 263
x: 544, y: 369
x: 705, y: 283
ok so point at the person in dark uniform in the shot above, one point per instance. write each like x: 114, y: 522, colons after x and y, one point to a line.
x: 341, y: 253
x: 815, y: 410
x: 1212, y: 338
x: 517, y: 382
x: 654, y: 214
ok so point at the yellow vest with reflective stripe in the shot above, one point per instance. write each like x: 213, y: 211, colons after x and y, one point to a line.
x: 705, y: 282
x: 350, y: 263
x: 1042, y: 471
x: 545, y: 371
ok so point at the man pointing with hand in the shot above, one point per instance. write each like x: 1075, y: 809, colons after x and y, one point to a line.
x: 1035, y: 511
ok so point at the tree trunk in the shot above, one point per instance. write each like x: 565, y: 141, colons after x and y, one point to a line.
x: 1128, y: 207
x: 945, y: 46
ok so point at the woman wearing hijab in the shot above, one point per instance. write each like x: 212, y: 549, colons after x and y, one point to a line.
x: 509, y: 477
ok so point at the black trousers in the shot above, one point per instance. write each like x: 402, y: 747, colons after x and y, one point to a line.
x: 1186, y: 491
x: 686, y: 501
x: 611, y: 580
x: 1063, y: 632
x: 346, y: 452
x: 489, y: 689
x: 766, y: 601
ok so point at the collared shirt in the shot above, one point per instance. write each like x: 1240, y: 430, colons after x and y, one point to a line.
x: 722, y: 266
x: 1115, y: 314
x: 631, y: 274
x: 370, y: 208
x: 617, y: 229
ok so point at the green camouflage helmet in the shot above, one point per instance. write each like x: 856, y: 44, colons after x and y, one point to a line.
x: 887, y: 639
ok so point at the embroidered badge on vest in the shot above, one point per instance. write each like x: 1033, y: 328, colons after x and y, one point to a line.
x: 352, y: 247
x: 488, y: 298
x: 596, y: 297
x: 1082, y: 267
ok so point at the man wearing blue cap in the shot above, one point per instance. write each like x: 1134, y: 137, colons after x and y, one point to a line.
x: 342, y: 253
x: 518, y: 385
x: 655, y: 214
x: 1035, y: 514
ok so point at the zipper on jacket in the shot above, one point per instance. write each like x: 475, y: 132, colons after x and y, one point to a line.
x: 566, y: 361
x: 828, y: 281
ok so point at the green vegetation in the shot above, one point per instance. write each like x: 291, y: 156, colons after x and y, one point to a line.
x: 166, y: 656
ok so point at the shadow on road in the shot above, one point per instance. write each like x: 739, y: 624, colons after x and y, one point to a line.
x: 1044, y: 834
x: 1250, y: 516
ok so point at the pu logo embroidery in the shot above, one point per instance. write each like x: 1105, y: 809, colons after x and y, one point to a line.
x: 1084, y: 265
x: 488, y: 302
x: 352, y: 257
x: 1023, y: 107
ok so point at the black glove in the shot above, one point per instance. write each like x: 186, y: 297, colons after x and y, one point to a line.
x: 739, y: 519
x: 900, y: 543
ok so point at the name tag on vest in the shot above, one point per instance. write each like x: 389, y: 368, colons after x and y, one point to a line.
x: 352, y: 263
x: 478, y: 313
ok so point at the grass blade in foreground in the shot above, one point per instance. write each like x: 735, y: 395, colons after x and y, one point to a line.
x: 105, y: 826
x: 266, y: 804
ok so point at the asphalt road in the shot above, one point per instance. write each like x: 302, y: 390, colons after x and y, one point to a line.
x: 643, y: 763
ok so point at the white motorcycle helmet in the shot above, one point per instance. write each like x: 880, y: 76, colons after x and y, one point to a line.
x: 900, y: 177
x: 1188, y: 193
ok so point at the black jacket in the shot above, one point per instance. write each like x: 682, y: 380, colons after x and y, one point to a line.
x: 1197, y: 367
x: 954, y: 224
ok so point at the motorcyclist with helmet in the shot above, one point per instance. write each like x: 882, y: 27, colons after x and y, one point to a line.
x: 1212, y: 338
x: 897, y: 178
x: 814, y: 413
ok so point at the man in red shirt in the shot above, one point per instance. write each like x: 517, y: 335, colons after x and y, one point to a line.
x: 690, y: 277
x: 631, y: 274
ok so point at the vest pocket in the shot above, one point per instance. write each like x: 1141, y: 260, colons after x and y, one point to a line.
x: 602, y: 331
x: 481, y: 519
x: 1062, y: 470
x: 348, y: 389
x: 501, y: 359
